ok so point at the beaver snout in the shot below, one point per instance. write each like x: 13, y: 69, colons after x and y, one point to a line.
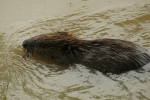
x: 24, y: 44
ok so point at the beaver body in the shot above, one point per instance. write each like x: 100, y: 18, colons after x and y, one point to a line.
x: 105, y: 55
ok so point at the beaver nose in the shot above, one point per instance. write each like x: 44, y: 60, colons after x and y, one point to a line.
x: 24, y: 44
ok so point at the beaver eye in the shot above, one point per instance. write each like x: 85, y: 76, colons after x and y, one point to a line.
x: 43, y: 45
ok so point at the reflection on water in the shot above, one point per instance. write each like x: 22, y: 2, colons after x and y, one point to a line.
x: 37, y: 79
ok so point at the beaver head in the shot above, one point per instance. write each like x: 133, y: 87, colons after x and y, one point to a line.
x: 54, y: 46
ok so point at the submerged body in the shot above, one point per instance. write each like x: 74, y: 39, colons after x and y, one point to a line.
x: 105, y: 55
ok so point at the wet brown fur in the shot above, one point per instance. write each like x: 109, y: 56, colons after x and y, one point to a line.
x: 105, y: 55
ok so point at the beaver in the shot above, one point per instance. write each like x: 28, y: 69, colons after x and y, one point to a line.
x: 105, y: 55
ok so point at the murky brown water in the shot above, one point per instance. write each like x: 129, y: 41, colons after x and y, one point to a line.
x: 38, y: 79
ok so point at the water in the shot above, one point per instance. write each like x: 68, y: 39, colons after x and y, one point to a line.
x: 38, y: 79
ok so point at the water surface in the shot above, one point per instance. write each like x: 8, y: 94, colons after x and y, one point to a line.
x: 38, y: 79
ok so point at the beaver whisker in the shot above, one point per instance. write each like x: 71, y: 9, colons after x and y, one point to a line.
x: 25, y: 56
x: 77, y: 52
x: 85, y: 50
x: 30, y: 53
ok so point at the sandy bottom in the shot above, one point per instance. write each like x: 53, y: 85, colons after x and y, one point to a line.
x: 38, y: 79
